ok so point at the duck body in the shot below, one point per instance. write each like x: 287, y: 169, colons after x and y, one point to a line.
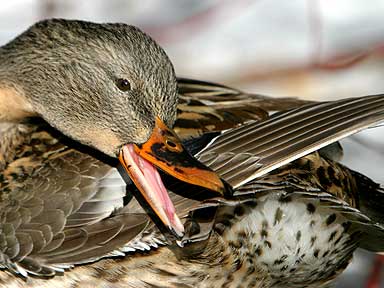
x: 274, y: 239
x: 295, y: 226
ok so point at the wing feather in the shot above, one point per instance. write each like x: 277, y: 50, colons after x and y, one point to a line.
x: 248, y: 152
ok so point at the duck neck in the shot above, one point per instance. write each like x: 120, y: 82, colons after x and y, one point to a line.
x: 14, y: 105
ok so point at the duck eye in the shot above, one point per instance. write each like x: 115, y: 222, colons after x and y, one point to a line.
x: 123, y: 84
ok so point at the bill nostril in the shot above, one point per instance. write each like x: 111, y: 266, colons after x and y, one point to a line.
x: 171, y: 144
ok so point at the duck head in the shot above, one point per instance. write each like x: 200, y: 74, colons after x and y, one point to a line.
x: 107, y: 86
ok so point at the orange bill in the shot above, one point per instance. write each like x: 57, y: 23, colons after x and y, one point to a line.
x: 165, y: 151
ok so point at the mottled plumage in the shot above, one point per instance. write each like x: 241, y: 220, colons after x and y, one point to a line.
x: 267, y: 236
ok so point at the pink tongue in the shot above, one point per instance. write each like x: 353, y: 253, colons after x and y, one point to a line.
x: 154, y: 180
x: 150, y: 181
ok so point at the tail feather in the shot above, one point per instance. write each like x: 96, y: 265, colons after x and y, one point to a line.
x: 370, y: 197
x: 370, y: 201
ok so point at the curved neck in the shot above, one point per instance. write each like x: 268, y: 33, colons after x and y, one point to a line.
x: 14, y: 106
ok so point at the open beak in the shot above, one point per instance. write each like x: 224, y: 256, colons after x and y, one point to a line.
x: 165, y: 151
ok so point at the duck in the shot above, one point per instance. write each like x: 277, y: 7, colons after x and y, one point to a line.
x: 296, y: 225
x: 293, y: 218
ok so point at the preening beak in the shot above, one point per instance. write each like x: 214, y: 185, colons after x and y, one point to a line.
x: 165, y: 151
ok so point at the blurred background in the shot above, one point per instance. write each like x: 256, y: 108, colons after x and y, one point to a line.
x: 312, y: 49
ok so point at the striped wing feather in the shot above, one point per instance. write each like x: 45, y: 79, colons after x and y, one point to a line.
x: 254, y: 149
